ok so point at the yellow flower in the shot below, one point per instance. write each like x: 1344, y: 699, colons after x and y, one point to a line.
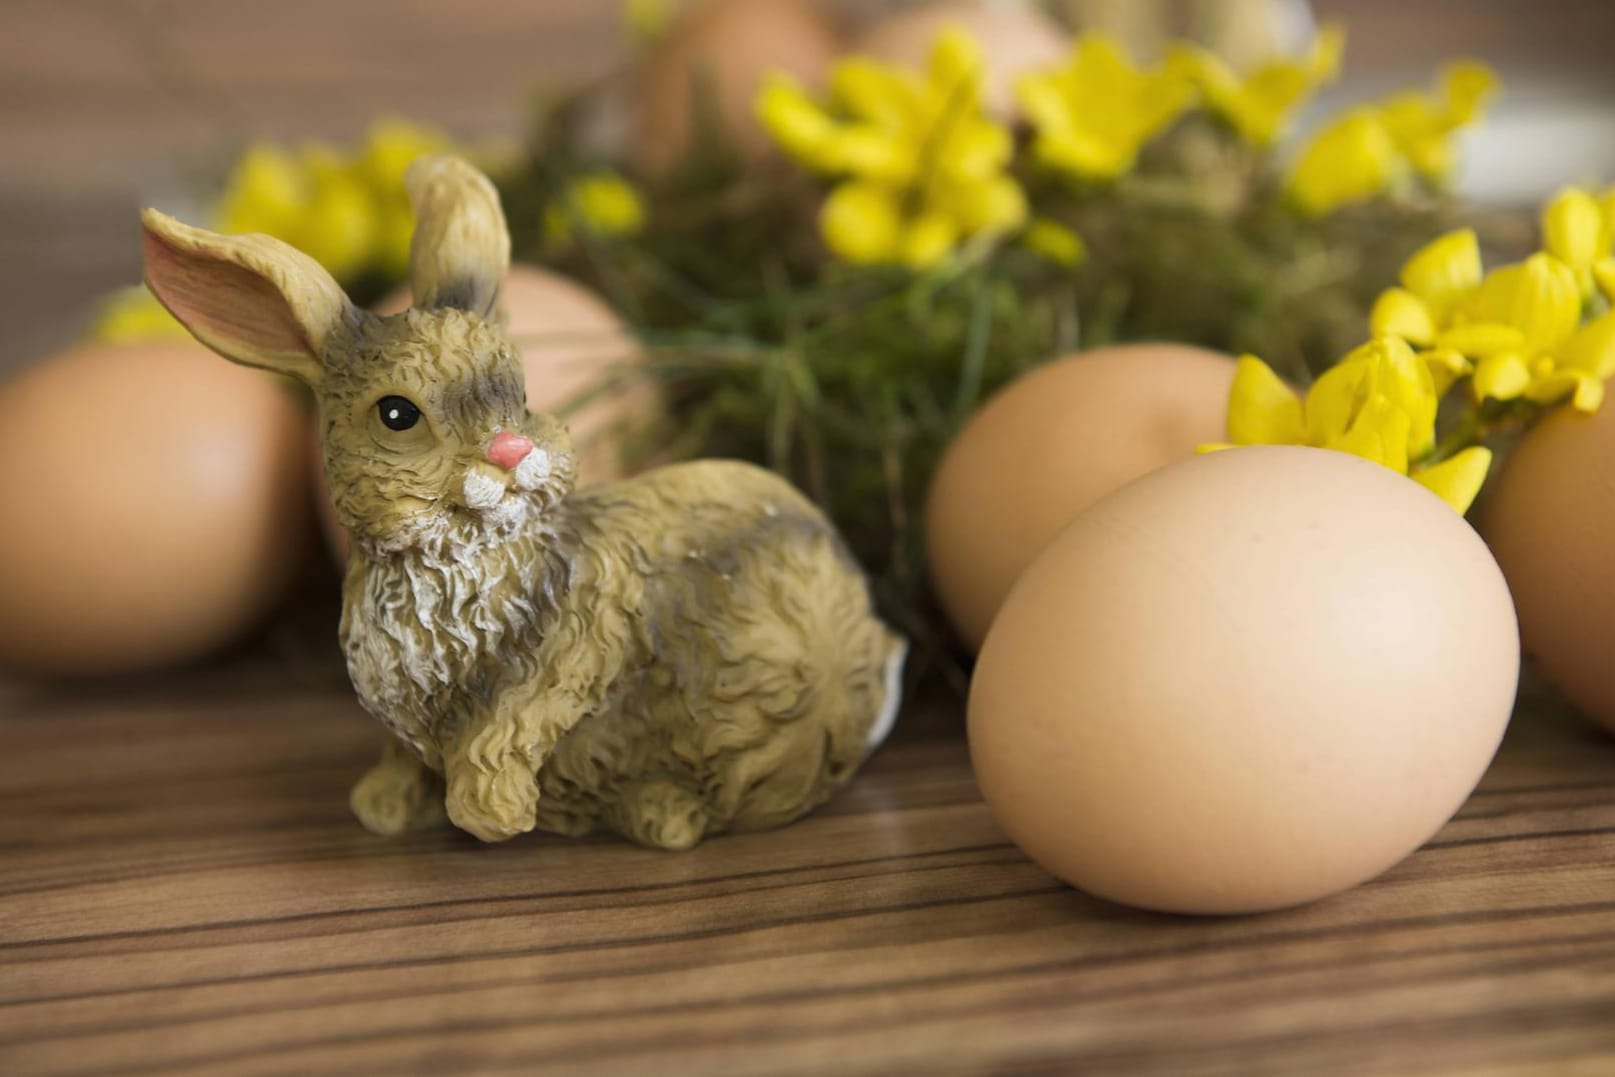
x: 1439, y: 277
x: 797, y: 123
x: 1603, y: 271
x: 390, y: 145
x: 1577, y: 229
x: 134, y: 314
x: 1456, y: 480
x: 347, y: 210
x: 1428, y: 310
x: 1523, y: 326
x: 311, y: 200
x: 1093, y: 114
x: 862, y: 223
x: 1444, y: 272
x: 1259, y: 106
x: 920, y: 167
x: 1386, y: 373
x: 1518, y: 328
x: 1372, y: 149
x: 1422, y: 125
x: 267, y: 192
x: 1379, y: 403
x: 339, y: 225
x: 1056, y: 242
x: 600, y: 202
x: 1351, y: 160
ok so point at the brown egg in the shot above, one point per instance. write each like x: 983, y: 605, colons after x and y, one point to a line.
x: 716, y: 58
x: 156, y: 506
x: 569, y: 341
x: 1249, y: 680
x: 1016, y: 40
x: 1052, y: 443
x: 1549, y: 516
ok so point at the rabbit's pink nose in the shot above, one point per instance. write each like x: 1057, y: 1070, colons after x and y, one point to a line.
x: 507, y: 449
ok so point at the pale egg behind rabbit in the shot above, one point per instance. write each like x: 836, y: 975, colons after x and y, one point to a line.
x: 670, y: 656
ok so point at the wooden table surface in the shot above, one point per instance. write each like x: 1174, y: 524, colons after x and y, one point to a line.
x: 184, y: 892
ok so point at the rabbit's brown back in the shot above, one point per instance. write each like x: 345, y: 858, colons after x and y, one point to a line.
x: 763, y: 667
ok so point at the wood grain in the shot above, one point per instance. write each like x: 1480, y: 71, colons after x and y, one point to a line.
x: 184, y: 892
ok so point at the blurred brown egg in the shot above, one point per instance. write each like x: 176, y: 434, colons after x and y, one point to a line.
x: 570, y: 341
x: 711, y: 65
x: 156, y: 506
x: 1049, y: 445
x: 1016, y: 39
x: 1549, y: 516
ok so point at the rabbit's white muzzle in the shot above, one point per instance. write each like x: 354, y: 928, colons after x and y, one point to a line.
x: 483, y: 492
x: 496, y: 499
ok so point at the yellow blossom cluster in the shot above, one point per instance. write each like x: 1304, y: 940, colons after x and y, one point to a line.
x: 1536, y: 330
x: 1260, y: 105
x: 919, y: 167
x: 1385, y: 145
x: 1379, y: 403
x: 1094, y: 113
x: 1539, y: 332
x: 345, y: 209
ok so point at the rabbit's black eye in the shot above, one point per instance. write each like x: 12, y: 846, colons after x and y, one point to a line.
x: 398, y: 413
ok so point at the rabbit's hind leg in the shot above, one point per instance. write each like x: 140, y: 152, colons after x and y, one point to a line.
x: 658, y: 813
x: 776, y: 781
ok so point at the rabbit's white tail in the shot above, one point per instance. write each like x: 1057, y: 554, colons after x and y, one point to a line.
x: 894, y: 697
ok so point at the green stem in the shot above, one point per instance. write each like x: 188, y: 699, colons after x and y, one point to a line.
x: 1471, y: 426
x: 1478, y: 424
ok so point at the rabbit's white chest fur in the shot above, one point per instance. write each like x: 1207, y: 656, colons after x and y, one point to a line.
x: 429, y: 618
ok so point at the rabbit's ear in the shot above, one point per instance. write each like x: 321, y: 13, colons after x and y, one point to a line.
x: 250, y: 298
x: 461, y: 247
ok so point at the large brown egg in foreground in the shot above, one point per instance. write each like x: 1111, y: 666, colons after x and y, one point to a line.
x: 1549, y: 516
x: 1250, y: 680
x: 571, y: 343
x: 156, y: 506
x: 710, y: 67
x: 1052, y: 443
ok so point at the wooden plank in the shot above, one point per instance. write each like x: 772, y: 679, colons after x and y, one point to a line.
x: 183, y: 891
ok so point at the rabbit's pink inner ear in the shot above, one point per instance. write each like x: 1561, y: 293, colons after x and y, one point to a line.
x: 230, y: 308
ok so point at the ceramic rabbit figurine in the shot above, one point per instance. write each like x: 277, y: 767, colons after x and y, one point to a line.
x: 670, y: 656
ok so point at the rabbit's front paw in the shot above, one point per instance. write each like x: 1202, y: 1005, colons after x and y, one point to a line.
x: 398, y: 794
x: 494, y: 805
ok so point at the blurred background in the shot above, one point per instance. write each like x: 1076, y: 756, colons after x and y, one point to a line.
x: 104, y: 103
